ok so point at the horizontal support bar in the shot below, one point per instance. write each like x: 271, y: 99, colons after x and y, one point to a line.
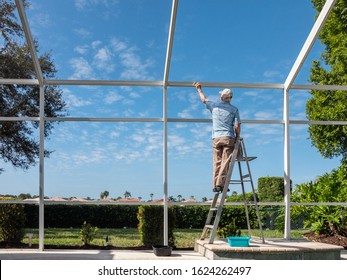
x: 160, y: 120
x: 104, y: 83
x: 16, y: 119
x: 19, y: 82
x: 319, y: 87
x: 172, y: 84
x: 182, y: 203
x: 71, y: 119
x: 227, y: 85
x: 319, y: 122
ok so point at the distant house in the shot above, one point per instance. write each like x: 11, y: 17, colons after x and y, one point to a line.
x: 130, y: 200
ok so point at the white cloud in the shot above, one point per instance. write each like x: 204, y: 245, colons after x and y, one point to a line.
x: 82, y: 32
x: 185, y: 114
x: 112, y: 97
x: 83, y: 4
x: 82, y: 69
x: 265, y: 115
x: 103, y: 60
x: 74, y: 101
x: 96, y: 44
x: 81, y: 49
x: 135, y: 68
x: 118, y: 45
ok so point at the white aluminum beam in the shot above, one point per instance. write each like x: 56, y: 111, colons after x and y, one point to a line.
x: 29, y: 39
x: 286, y: 165
x: 169, y: 84
x: 19, y: 82
x: 41, y: 169
x: 104, y: 83
x: 228, y: 85
x: 319, y: 87
x: 309, y: 43
x: 165, y: 132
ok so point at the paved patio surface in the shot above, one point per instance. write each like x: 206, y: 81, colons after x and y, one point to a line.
x: 35, y: 254
x: 55, y: 254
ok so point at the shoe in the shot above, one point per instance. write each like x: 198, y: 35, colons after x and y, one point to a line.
x: 217, y: 189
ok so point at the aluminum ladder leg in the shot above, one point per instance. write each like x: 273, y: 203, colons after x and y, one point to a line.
x: 216, y: 208
x: 246, y: 159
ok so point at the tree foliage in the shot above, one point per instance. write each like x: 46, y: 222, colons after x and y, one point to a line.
x: 330, y: 69
x: 18, y: 143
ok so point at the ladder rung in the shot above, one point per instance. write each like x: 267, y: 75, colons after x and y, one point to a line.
x: 209, y: 226
x: 213, y: 209
x: 239, y: 181
x: 246, y: 158
x: 245, y: 176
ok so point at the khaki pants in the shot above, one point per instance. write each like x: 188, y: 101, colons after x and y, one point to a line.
x: 222, y: 152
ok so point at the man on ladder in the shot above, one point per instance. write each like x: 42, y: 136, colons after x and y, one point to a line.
x: 226, y: 127
x: 228, y: 148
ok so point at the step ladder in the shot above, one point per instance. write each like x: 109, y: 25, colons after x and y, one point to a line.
x: 239, y: 155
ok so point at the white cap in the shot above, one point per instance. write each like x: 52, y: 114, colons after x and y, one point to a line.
x: 226, y: 93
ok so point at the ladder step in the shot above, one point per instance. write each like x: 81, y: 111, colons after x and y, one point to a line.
x: 239, y: 181
x: 213, y: 209
x: 245, y: 176
x: 209, y: 226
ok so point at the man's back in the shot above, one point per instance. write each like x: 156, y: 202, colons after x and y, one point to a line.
x: 224, y: 118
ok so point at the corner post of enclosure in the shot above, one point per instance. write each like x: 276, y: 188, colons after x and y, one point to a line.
x: 165, y: 169
x: 286, y: 165
x: 165, y: 84
x: 41, y: 169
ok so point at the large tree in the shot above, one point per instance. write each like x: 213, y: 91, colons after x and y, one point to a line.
x: 330, y: 69
x: 18, y: 143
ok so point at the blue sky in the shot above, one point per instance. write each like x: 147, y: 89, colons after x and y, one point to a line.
x: 226, y: 41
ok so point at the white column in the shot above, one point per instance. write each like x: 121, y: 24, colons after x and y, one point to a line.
x: 165, y: 173
x: 41, y: 170
x: 286, y: 141
x: 165, y: 83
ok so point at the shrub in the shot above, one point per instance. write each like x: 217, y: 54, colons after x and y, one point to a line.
x: 229, y: 230
x: 151, y: 225
x: 331, y: 187
x: 12, y: 221
x: 88, y: 233
x: 271, y: 188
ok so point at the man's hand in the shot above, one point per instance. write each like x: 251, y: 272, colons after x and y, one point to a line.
x: 197, y: 85
x: 201, y: 94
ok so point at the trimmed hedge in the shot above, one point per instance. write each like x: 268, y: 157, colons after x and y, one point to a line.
x: 151, y: 228
x: 119, y: 216
x: 12, y: 221
x: 65, y: 216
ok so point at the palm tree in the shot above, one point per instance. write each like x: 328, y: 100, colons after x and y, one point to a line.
x: 204, y: 199
x: 179, y: 197
x: 106, y: 194
x: 151, y: 195
x: 127, y: 194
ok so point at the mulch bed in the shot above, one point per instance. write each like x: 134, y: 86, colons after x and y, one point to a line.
x: 338, y: 240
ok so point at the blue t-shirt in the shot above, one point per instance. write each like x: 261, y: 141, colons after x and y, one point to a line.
x: 224, y: 118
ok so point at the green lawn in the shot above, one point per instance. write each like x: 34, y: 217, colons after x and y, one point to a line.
x: 130, y: 237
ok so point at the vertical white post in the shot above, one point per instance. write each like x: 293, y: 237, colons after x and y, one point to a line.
x: 165, y: 174
x: 41, y: 169
x: 38, y: 71
x: 286, y: 165
x: 165, y: 80
x: 318, y: 25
